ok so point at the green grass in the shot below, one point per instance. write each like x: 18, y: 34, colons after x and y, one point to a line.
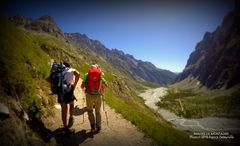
x: 233, y: 42
x: 23, y: 64
x: 198, y: 105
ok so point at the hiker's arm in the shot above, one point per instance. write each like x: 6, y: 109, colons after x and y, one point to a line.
x: 84, y: 80
x: 82, y: 85
x: 104, y: 83
x: 103, y: 79
x: 77, y: 76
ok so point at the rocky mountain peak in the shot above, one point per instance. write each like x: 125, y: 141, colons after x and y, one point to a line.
x: 42, y: 24
x: 46, y: 18
x: 21, y: 20
x: 215, y: 61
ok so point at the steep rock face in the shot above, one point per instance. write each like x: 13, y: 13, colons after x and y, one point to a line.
x: 43, y: 24
x: 125, y: 62
x: 215, y: 61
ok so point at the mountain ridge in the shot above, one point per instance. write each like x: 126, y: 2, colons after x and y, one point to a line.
x: 125, y: 63
x: 142, y: 70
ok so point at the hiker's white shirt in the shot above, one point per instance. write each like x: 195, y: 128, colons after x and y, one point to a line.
x: 69, y: 76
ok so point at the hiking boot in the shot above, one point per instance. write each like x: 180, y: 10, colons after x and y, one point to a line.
x: 70, y: 122
x: 68, y: 131
x: 93, y: 129
x: 98, y: 129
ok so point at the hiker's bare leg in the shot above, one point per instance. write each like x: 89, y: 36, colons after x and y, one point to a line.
x: 64, y: 113
x: 71, y: 108
x: 70, y: 120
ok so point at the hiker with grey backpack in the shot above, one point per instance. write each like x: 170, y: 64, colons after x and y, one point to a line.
x: 63, y: 80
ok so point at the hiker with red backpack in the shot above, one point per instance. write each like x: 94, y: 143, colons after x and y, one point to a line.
x: 94, y: 84
x: 63, y: 80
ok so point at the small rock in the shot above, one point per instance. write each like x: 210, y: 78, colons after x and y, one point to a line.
x: 4, y: 111
x: 57, y: 106
x: 25, y: 116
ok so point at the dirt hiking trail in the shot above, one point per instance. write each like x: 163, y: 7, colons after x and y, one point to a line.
x: 117, y: 131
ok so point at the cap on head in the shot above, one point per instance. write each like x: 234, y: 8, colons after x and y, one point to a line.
x: 93, y: 66
x: 66, y: 64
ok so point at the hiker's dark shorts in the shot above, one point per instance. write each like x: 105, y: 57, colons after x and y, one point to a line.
x: 67, y: 97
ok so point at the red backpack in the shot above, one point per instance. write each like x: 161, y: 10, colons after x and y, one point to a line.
x: 94, y: 81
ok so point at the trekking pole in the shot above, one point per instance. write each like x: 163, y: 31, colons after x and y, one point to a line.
x: 83, y: 103
x: 82, y: 106
x: 104, y: 109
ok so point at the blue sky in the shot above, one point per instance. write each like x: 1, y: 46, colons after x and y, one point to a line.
x: 163, y: 32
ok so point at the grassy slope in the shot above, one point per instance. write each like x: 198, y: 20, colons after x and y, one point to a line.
x: 25, y: 56
x: 24, y: 64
